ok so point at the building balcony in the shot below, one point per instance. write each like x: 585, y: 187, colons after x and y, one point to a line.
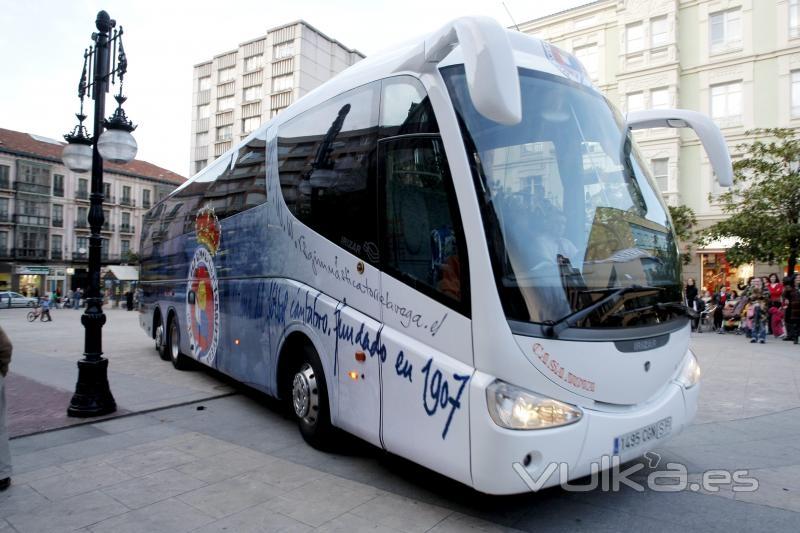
x: 82, y: 225
x: 81, y: 194
x: 58, y: 223
x: 146, y: 205
x: 34, y: 188
x: 109, y: 199
x: 5, y: 217
x: 5, y: 183
x: 30, y: 253
x: 58, y: 192
x: 107, y: 227
x: 56, y: 255
x: 80, y: 256
x: 32, y: 220
x: 128, y: 201
x: 126, y: 228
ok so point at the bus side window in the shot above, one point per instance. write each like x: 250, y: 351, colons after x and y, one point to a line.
x: 326, y: 159
x: 242, y: 184
x: 405, y: 108
x: 424, y: 239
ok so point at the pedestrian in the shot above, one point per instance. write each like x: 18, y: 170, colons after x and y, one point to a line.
x: 775, y: 288
x: 76, y: 303
x: 129, y: 300
x: 791, y: 307
x: 720, y: 299
x: 5, y: 450
x: 776, y: 319
x: 757, y: 316
x: 45, y: 309
x: 690, y: 292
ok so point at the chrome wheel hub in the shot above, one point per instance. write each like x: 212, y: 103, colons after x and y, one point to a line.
x: 159, y: 337
x: 305, y: 395
x: 173, y: 342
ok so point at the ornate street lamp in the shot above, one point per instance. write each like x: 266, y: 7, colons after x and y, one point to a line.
x: 83, y: 153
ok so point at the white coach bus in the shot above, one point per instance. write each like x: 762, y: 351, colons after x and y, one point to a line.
x: 453, y: 251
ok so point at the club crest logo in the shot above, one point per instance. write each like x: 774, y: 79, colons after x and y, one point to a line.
x: 202, y: 292
x: 566, y: 63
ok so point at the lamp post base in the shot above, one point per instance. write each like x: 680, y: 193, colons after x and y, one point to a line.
x: 92, y: 394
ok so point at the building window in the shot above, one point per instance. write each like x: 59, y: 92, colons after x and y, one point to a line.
x: 58, y: 185
x: 661, y: 172
x: 252, y: 63
x: 3, y: 242
x: 224, y: 133
x: 199, y: 165
x: 587, y: 55
x: 58, y: 215
x: 82, y: 220
x: 279, y: 51
x: 125, y: 247
x: 251, y: 93
x: 56, y: 246
x: 226, y: 102
x: 204, y: 84
x: 659, y: 98
x: 146, y: 198
x: 82, y: 246
x: 226, y: 74
x: 796, y: 94
x: 126, y: 195
x: 726, y: 101
x: 634, y: 102
x: 249, y: 124
x: 125, y: 222
x: 5, y: 180
x: 725, y: 30
x: 83, y: 189
x: 107, y: 191
x: 203, y: 111
x: 201, y: 139
x: 276, y: 111
x: 634, y: 38
x: 794, y: 18
x: 659, y: 35
x: 282, y: 83
x: 4, y: 215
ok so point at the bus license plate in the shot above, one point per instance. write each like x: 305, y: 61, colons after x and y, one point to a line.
x: 630, y: 441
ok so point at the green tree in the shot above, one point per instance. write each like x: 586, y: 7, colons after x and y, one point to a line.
x: 763, y: 205
x: 683, y: 222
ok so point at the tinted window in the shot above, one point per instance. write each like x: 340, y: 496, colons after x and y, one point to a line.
x: 424, y: 240
x: 327, y: 169
x: 405, y: 108
x: 241, y: 185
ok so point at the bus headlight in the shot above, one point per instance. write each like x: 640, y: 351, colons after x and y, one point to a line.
x: 690, y: 373
x: 515, y: 408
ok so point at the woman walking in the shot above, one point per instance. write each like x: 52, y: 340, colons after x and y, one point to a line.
x: 691, y: 293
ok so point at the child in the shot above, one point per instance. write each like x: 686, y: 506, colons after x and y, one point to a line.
x: 776, y: 318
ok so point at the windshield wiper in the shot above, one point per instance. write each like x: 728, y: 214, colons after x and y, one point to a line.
x: 554, y: 328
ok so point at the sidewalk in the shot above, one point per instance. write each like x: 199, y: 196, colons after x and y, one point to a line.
x: 236, y: 464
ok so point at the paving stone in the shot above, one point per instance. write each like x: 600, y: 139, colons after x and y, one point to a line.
x: 230, y: 496
x: 68, y: 484
x: 41, y: 473
x: 66, y: 515
x: 231, y: 464
x: 168, y: 516
x: 257, y: 519
x: 19, y: 498
x: 152, y: 461
x: 284, y: 474
x: 350, y: 523
x: 322, y: 500
x: 459, y: 523
x: 142, y: 491
x: 402, y: 514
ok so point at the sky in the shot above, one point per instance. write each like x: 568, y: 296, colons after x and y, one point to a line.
x: 42, y: 43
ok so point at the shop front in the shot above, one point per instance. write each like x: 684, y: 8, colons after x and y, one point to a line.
x: 30, y: 279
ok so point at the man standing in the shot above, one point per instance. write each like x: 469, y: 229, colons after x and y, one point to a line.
x: 5, y: 450
x: 791, y: 299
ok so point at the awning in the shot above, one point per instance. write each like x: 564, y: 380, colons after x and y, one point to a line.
x: 124, y: 272
x: 718, y: 245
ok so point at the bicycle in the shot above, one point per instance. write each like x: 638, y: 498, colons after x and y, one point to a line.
x: 36, y: 313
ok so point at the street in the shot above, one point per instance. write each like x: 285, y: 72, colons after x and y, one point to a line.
x: 193, y: 451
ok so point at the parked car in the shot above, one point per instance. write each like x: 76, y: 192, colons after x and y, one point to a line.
x: 17, y: 300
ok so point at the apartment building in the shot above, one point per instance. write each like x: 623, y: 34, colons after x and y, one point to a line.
x: 44, y: 233
x: 239, y: 89
x: 735, y: 60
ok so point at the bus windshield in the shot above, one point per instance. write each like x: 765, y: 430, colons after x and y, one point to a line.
x: 570, y: 211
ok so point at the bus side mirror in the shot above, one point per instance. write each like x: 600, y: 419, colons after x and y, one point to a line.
x: 492, y: 77
x: 703, y: 126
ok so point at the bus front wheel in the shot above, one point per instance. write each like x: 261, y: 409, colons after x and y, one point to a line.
x: 309, y: 400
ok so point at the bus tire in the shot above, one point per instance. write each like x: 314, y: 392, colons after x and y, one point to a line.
x: 308, y: 400
x: 161, y: 340
x: 179, y: 361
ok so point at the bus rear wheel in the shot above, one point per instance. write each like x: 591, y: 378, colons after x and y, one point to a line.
x: 161, y: 340
x: 179, y: 361
x: 309, y: 400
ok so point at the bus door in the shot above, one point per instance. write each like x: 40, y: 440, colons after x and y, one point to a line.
x: 424, y: 287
